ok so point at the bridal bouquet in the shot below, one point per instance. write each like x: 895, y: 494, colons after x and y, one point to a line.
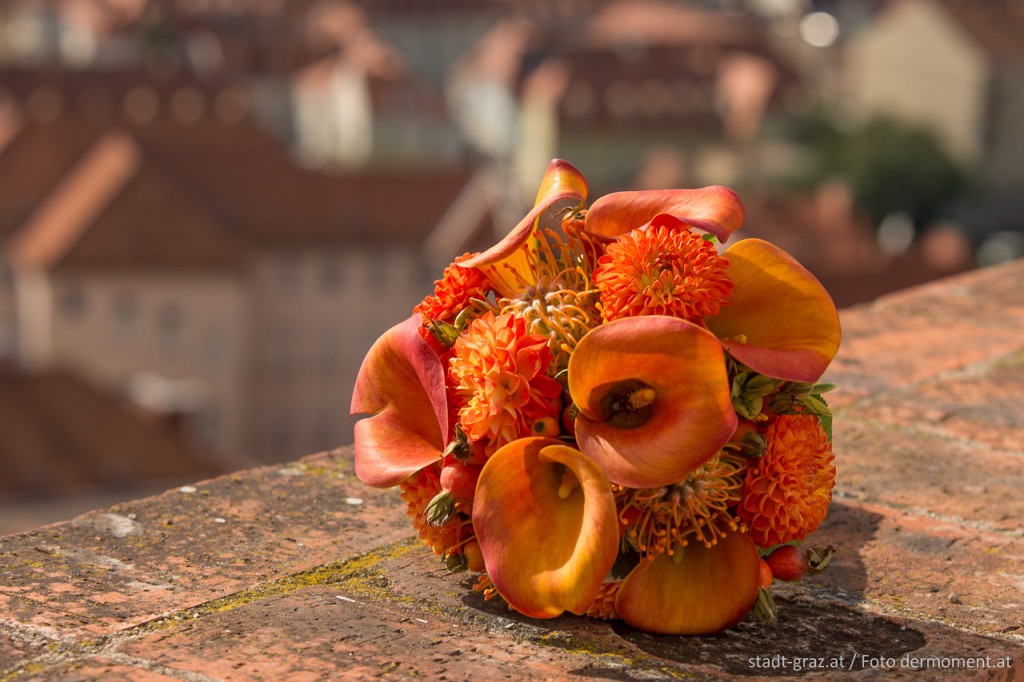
x: 608, y: 414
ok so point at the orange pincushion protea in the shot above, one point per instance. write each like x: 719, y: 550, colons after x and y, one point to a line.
x: 664, y: 519
x: 417, y: 492
x: 788, y: 490
x: 662, y: 270
x: 498, y: 371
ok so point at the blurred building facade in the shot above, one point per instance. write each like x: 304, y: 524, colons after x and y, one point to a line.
x: 314, y: 72
x: 954, y: 67
x: 201, y: 272
x: 214, y: 207
x: 633, y: 81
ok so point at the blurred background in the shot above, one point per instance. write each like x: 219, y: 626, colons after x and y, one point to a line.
x: 209, y: 209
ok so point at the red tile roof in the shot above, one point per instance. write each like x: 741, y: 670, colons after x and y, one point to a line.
x: 47, y: 416
x: 649, y: 60
x: 130, y: 95
x: 657, y: 22
x: 997, y: 25
x: 100, y: 202
x: 32, y: 163
x: 196, y: 195
x: 76, y: 201
x: 253, y: 182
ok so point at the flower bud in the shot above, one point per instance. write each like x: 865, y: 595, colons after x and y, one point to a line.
x: 748, y: 391
x: 440, y: 510
x: 764, y: 608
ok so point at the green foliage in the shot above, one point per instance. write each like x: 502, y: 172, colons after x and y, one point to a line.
x: 896, y: 168
x: 891, y: 166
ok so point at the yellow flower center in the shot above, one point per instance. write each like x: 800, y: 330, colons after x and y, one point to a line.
x: 629, y: 404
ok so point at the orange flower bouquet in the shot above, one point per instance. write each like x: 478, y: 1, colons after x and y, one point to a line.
x: 606, y: 414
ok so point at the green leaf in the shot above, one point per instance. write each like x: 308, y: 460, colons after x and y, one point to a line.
x: 825, y: 417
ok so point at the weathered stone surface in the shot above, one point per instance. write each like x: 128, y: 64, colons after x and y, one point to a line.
x: 14, y: 649
x: 908, y: 468
x: 982, y: 404
x: 107, y: 570
x: 298, y: 572
x: 919, y: 334
x: 909, y: 564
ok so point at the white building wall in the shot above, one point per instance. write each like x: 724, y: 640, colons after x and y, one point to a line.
x: 919, y: 66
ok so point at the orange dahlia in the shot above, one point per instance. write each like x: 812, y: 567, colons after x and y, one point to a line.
x: 499, y: 371
x: 417, y: 492
x: 662, y: 270
x: 789, y: 488
x: 604, y: 603
x: 452, y: 293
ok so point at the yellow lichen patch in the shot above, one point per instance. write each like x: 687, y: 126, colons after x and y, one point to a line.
x: 357, y: 576
x: 326, y: 467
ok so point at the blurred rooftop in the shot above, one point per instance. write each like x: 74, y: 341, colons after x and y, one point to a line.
x: 299, y: 572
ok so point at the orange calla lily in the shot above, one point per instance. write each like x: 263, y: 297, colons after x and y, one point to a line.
x: 696, y: 590
x: 781, y: 322
x: 653, y: 399
x: 562, y: 187
x: 716, y: 210
x: 544, y: 515
x: 401, y: 383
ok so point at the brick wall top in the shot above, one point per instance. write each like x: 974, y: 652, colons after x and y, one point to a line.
x: 298, y: 572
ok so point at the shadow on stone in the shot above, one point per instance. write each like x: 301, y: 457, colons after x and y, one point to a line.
x: 818, y: 627
x: 806, y: 638
x: 849, y: 528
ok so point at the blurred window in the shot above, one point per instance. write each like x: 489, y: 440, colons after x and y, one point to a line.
x: 72, y: 301
x: 280, y: 356
x: 214, y: 346
x: 126, y: 315
x: 170, y: 322
x: 332, y: 274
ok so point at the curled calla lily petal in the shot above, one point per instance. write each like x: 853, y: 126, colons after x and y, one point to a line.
x: 697, y: 590
x: 653, y: 399
x: 544, y: 516
x: 562, y: 187
x: 781, y: 322
x: 401, y: 384
x: 716, y: 210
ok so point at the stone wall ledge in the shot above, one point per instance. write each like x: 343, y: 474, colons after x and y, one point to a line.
x: 299, y: 572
